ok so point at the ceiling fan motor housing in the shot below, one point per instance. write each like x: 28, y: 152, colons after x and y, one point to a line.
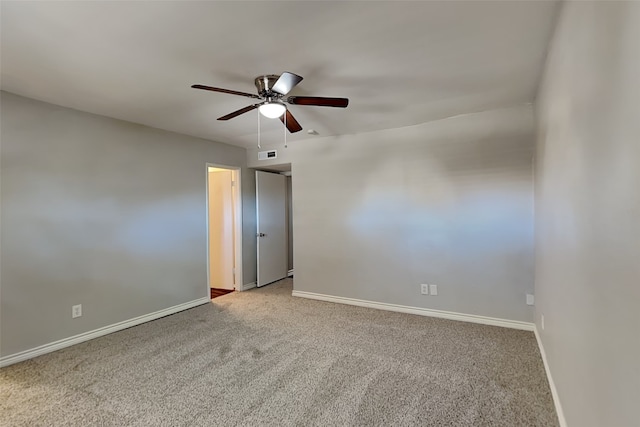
x: 265, y: 83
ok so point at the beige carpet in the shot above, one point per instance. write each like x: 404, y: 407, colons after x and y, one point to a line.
x: 263, y: 357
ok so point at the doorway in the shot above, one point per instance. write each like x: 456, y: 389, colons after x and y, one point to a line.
x: 274, y: 225
x: 224, y: 230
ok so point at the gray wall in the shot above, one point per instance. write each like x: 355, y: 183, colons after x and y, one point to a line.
x: 249, y: 227
x: 447, y: 202
x: 103, y: 213
x: 588, y: 213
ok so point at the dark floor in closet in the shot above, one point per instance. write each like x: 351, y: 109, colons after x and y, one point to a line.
x: 215, y: 292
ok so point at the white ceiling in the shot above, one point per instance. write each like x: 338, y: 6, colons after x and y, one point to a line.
x: 399, y: 63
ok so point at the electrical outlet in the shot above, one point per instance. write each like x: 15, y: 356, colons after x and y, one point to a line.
x: 542, y: 321
x: 76, y: 311
x: 424, y: 289
x: 530, y: 299
x: 433, y: 289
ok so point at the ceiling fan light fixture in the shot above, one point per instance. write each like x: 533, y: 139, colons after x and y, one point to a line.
x: 272, y: 110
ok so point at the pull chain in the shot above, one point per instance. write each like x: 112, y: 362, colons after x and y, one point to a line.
x: 285, y: 129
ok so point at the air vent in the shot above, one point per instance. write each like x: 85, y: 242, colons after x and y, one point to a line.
x: 265, y: 155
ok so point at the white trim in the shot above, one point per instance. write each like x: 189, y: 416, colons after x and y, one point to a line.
x: 493, y: 321
x: 554, y: 391
x: 248, y: 286
x: 238, y: 227
x: 86, y: 336
x: 290, y: 273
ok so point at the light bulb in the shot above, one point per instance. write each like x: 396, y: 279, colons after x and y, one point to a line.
x: 272, y: 110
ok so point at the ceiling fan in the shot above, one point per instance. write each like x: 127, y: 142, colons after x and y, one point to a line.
x: 272, y: 90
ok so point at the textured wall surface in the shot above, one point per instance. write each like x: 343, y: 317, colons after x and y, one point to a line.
x: 103, y: 213
x: 588, y: 213
x: 448, y: 202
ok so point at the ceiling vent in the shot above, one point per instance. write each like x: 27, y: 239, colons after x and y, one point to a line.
x: 265, y: 155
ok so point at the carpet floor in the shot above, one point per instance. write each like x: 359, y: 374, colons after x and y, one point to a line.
x: 263, y: 357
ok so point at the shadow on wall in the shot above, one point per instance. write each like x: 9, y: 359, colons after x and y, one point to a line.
x: 450, y: 203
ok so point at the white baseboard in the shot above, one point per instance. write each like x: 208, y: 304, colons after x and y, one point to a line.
x: 554, y: 391
x: 86, y: 336
x: 290, y: 273
x: 493, y: 321
x: 248, y: 286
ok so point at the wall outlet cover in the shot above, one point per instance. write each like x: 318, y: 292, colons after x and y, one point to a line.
x: 433, y: 289
x: 424, y: 289
x: 530, y: 299
x: 76, y: 311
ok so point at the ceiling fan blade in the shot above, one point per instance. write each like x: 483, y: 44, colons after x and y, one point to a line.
x: 230, y: 92
x: 238, y: 112
x: 318, y: 101
x: 292, y: 123
x: 286, y: 82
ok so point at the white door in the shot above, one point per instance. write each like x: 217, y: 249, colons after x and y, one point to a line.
x: 271, y: 221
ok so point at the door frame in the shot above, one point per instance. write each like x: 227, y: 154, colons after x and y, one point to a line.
x: 237, y: 223
x: 259, y: 231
